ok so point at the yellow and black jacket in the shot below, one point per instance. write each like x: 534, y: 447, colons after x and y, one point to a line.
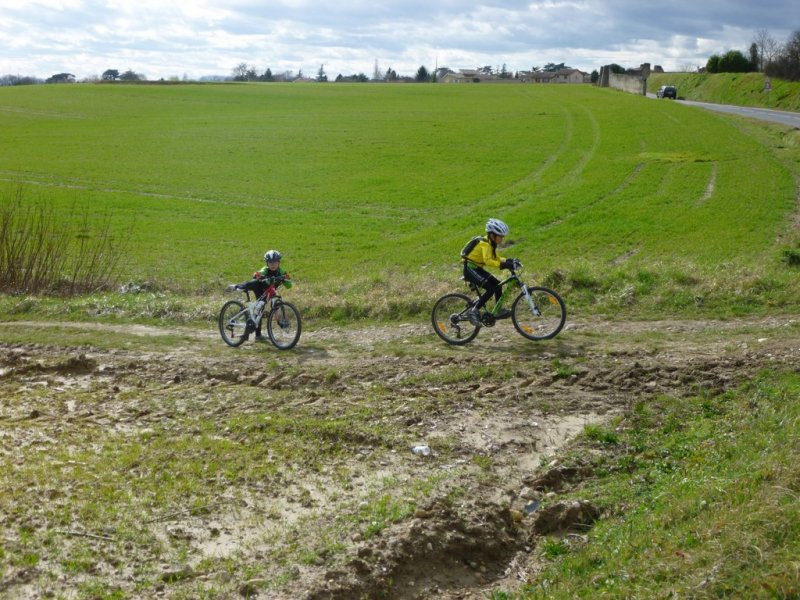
x: 480, y: 252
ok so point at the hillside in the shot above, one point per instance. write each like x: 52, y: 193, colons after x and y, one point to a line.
x: 743, y: 89
x: 370, y: 191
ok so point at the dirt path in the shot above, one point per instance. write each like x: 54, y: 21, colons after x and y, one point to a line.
x: 495, y: 415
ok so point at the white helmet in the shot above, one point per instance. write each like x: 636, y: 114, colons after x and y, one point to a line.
x: 272, y: 255
x: 497, y: 227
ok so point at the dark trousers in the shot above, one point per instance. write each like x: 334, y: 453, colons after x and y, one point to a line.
x: 485, y: 281
x: 258, y: 287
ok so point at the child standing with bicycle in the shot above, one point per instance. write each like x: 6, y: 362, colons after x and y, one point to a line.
x: 481, y: 252
x: 271, y: 274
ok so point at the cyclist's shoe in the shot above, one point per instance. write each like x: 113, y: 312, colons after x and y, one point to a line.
x: 474, y: 316
x: 503, y: 313
x: 261, y: 338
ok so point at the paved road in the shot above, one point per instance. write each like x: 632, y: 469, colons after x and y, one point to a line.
x: 778, y: 116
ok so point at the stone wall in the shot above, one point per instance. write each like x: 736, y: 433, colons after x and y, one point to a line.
x: 633, y: 82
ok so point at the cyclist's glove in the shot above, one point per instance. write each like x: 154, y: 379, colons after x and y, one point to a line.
x: 512, y: 264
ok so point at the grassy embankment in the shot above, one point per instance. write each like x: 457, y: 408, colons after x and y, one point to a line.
x: 624, y: 206
x: 742, y: 89
x: 701, y: 500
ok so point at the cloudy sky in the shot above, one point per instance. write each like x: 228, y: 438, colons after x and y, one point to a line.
x: 196, y: 38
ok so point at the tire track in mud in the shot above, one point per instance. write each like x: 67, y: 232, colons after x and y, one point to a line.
x: 502, y: 400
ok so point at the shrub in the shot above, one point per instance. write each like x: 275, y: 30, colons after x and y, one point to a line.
x: 791, y: 256
x: 42, y: 252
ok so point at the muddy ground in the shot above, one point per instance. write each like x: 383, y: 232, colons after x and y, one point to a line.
x: 495, y: 414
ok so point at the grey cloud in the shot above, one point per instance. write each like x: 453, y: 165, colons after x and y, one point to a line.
x: 348, y: 36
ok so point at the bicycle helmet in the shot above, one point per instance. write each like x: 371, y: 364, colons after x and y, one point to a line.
x: 272, y: 255
x: 497, y: 227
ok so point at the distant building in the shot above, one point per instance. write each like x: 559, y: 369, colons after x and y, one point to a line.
x: 561, y: 76
x: 467, y: 76
x: 476, y: 76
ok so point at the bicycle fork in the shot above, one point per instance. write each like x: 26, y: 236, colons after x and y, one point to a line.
x: 531, y: 303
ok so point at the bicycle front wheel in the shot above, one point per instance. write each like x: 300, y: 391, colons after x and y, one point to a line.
x: 542, y: 316
x: 233, y: 323
x: 449, y: 319
x: 283, y: 326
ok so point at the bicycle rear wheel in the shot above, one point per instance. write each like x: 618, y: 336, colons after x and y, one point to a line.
x: 543, y: 317
x: 283, y: 326
x: 233, y: 323
x: 449, y: 319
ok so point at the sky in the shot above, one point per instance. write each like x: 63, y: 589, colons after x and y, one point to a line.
x: 191, y: 39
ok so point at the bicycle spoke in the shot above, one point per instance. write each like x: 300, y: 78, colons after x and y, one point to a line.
x: 283, y: 326
x: 540, y: 315
x: 233, y: 323
x: 449, y: 319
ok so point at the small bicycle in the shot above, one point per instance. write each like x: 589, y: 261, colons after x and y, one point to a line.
x: 538, y: 313
x: 237, y: 320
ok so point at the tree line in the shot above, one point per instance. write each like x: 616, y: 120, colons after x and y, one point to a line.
x: 246, y: 72
x: 765, y: 55
x: 108, y: 75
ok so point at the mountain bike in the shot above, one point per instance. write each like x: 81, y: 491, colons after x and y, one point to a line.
x: 538, y: 313
x: 237, y: 319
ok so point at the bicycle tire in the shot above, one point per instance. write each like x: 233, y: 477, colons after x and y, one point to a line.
x: 449, y: 319
x: 284, y: 325
x: 233, y: 323
x: 552, y: 314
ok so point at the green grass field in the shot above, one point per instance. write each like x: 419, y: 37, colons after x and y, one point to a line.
x: 132, y: 453
x: 372, y: 190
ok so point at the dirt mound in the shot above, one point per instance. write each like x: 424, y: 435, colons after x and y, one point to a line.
x: 440, y: 551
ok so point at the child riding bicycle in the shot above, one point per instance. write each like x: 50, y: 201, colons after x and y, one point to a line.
x: 481, y: 252
x: 271, y: 274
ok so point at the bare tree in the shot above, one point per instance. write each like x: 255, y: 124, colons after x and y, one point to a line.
x: 244, y: 72
x: 767, y: 46
x: 786, y: 63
